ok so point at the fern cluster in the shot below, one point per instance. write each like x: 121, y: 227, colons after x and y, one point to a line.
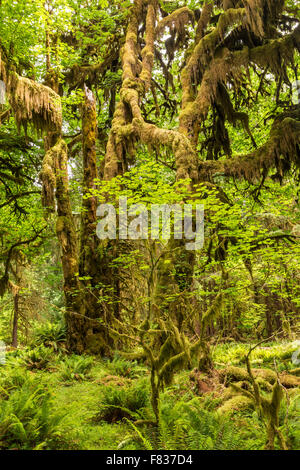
x: 51, y: 335
x: 76, y: 368
x: 27, y: 417
x: 124, y: 402
x: 38, y: 358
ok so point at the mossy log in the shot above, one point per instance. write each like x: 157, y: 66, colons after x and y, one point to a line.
x: 236, y: 374
x: 236, y: 403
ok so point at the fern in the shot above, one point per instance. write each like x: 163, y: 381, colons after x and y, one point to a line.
x: 28, y: 421
x: 119, y: 403
x: 38, y: 358
x: 50, y: 335
x: 145, y: 442
x: 76, y: 368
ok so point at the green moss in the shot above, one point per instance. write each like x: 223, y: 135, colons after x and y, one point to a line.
x: 236, y: 404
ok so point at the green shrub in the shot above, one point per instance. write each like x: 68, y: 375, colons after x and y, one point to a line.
x: 189, y: 426
x: 123, y: 402
x: 122, y: 367
x: 51, y: 335
x: 38, y: 358
x: 234, y: 354
x: 27, y: 420
x: 289, y: 419
x: 75, y: 368
x: 12, y: 379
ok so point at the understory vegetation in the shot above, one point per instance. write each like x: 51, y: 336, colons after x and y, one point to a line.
x: 88, y: 403
x: 149, y: 224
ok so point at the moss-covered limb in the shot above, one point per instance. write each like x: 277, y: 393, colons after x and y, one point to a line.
x: 205, y: 364
x: 185, y: 156
x: 10, y: 255
x: 114, y: 163
x: 255, y: 11
x: 130, y: 65
x: 121, y: 140
x: 203, y: 21
x: 31, y: 102
x: 175, y: 20
x: 267, y: 407
x: 213, y: 311
x: 65, y: 225
x: 233, y: 116
x: 134, y: 84
x: 229, y: 64
x: 276, y: 51
x: 217, y: 72
x: 203, y: 52
x: 131, y: 91
x: 148, y: 50
x: 205, y: 360
x: 279, y: 152
x: 34, y: 102
x: 172, y: 365
x: 256, y: 390
x: 91, y: 74
x: 169, y: 81
x: 270, y: 408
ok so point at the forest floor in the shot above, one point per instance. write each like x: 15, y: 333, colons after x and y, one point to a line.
x: 98, y: 401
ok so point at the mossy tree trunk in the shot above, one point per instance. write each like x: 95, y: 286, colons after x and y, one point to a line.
x: 82, y: 263
x: 91, y: 263
x: 66, y: 233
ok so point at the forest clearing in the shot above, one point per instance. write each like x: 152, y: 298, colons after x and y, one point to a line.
x: 149, y: 225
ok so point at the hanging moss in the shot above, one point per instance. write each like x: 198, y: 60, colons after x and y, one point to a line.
x: 280, y: 152
x: 213, y: 311
x: 203, y: 53
x: 261, y: 13
x: 177, y: 21
x: 33, y: 103
x: 48, y: 178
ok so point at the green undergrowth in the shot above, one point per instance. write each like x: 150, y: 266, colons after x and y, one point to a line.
x: 234, y: 353
x: 79, y: 402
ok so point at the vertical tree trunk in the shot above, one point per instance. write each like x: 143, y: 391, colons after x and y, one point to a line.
x: 83, y: 269
x: 14, y: 341
x: 15, y: 288
x: 92, y: 266
x: 65, y: 229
